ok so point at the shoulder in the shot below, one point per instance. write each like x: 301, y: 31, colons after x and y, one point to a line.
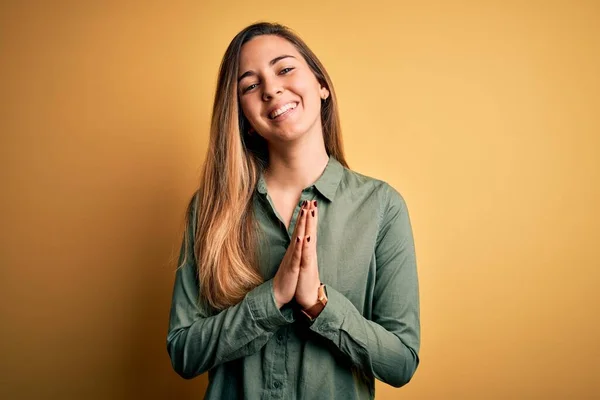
x: 386, y: 195
x: 191, y: 213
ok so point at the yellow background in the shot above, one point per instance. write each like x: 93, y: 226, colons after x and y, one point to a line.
x: 484, y: 115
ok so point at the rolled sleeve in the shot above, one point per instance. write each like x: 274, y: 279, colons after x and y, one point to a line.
x: 263, y: 307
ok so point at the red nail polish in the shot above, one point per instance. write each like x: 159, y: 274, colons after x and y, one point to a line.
x: 302, y: 213
x: 308, y: 239
x: 313, y: 213
x: 315, y: 203
x: 297, y: 239
x: 304, y: 203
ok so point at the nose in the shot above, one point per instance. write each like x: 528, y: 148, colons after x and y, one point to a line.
x: 271, y: 87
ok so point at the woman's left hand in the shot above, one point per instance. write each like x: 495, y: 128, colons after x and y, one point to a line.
x: 307, y: 290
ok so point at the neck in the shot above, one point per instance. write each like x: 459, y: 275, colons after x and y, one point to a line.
x: 295, y: 166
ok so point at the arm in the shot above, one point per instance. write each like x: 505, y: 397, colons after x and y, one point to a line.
x: 386, y: 346
x: 197, y: 341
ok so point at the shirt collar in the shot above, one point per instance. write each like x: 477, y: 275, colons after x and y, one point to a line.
x: 261, y: 185
x: 327, y: 183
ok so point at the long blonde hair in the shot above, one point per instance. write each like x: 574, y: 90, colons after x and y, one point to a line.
x: 226, y: 231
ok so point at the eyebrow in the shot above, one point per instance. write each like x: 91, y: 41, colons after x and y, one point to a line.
x: 271, y: 63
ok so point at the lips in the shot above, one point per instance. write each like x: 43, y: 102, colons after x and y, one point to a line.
x: 282, y: 109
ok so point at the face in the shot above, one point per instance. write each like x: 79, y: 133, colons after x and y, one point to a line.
x: 278, y: 92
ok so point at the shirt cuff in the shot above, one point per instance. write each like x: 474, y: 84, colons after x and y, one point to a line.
x: 263, y: 307
x: 340, y: 319
x: 332, y: 316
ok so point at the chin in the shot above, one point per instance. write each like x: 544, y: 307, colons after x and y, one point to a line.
x: 287, y: 135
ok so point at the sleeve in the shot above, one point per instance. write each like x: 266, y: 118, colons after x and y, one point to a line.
x: 197, y: 341
x: 387, y: 346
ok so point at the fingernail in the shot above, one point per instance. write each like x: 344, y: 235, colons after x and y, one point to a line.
x: 313, y: 213
x: 302, y: 213
x: 315, y: 203
x: 297, y: 239
x: 308, y: 239
x: 304, y: 203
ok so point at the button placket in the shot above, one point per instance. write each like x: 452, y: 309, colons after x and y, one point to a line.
x: 279, y: 374
x: 281, y: 336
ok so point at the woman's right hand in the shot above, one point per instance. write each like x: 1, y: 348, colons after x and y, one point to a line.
x: 286, y: 278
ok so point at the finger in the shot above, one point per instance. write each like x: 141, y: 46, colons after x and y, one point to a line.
x: 310, y: 221
x: 315, y: 225
x: 300, y: 229
x: 310, y: 233
x: 296, y: 254
x: 312, y: 224
x: 298, y: 239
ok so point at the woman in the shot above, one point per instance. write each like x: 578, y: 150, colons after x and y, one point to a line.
x: 297, y: 276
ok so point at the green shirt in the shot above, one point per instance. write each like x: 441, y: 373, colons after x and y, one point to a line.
x: 369, y: 328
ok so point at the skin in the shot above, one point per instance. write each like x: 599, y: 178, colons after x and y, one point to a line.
x: 298, y: 273
x: 297, y: 155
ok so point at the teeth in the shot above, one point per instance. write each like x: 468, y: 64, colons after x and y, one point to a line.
x: 283, y: 109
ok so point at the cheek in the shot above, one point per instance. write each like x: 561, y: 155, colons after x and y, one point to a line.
x: 248, y: 109
x: 309, y: 88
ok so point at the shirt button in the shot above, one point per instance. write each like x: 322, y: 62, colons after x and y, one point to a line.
x: 280, y: 338
x: 276, y: 384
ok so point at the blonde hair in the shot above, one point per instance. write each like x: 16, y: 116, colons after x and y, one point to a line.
x: 226, y: 231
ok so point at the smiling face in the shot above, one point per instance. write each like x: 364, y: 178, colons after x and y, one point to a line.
x: 278, y: 92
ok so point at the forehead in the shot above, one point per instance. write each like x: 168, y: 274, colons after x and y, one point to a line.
x: 258, y: 51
